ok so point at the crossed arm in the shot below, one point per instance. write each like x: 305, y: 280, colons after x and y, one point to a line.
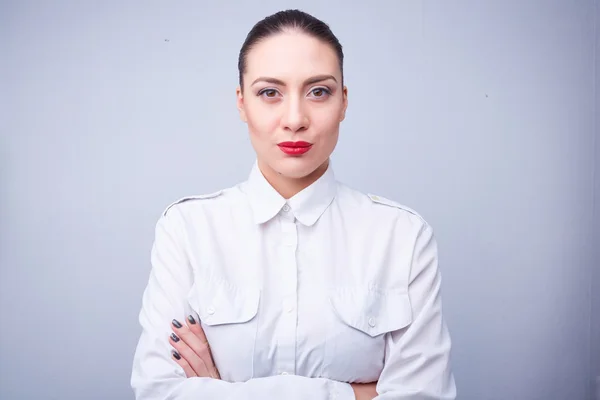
x: 191, y: 351
x: 417, y: 359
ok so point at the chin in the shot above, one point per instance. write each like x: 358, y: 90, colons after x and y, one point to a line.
x: 296, y: 168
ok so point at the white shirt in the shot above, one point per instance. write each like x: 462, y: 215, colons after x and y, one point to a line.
x: 297, y: 298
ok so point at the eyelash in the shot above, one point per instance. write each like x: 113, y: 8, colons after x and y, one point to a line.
x: 326, y: 90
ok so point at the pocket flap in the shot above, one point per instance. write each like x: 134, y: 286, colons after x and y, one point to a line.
x: 222, y: 303
x: 373, y: 312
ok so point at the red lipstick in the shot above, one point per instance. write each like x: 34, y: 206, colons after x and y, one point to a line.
x: 295, y: 148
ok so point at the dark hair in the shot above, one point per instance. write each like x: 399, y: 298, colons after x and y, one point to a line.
x: 288, y: 20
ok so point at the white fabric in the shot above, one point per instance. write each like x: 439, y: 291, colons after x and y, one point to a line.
x: 298, y: 298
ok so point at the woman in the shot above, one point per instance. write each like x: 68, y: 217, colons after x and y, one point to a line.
x: 291, y: 284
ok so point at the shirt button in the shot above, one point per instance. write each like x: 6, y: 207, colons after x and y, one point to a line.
x: 210, y: 310
x: 372, y: 322
x: 286, y: 208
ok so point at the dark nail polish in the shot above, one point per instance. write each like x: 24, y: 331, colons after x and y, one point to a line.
x: 174, y: 337
x: 176, y: 355
x: 176, y: 324
x: 191, y: 319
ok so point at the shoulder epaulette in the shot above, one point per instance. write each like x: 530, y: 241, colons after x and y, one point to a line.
x: 196, y: 197
x: 391, y: 203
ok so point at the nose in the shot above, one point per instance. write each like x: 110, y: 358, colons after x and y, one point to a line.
x: 295, y: 118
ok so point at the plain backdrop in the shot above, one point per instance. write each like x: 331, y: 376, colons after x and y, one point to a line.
x: 481, y: 115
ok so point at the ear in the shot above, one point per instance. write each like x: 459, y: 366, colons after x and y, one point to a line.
x: 345, y: 100
x: 240, y: 103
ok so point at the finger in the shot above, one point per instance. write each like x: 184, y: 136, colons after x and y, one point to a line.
x: 197, y: 354
x: 199, y: 347
x: 186, y: 353
x: 187, y: 368
x: 197, y: 330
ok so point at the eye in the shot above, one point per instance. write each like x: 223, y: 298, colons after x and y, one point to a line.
x: 268, y: 93
x: 320, y: 92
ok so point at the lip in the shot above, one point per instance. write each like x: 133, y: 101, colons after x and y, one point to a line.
x: 295, y: 148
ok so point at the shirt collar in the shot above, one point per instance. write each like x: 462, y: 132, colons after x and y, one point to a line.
x: 307, y: 206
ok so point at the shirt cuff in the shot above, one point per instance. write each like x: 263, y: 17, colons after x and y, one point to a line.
x: 341, y: 391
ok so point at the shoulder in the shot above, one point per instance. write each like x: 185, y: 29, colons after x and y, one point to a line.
x: 404, y: 218
x: 380, y: 201
x: 377, y: 206
x: 193, y: 199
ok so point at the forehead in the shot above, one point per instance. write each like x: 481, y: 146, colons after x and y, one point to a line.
x: 290, y: 56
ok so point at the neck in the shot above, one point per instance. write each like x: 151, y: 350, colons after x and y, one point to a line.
x: 288, y: 187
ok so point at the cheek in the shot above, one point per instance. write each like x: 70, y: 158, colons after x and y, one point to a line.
x: 328, y: 126
x: 262, y: 120
x: 329, y: 114
x: 327, y: 122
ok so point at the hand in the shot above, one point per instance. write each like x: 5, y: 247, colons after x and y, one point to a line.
x: 364, y: 391
x: 192, y: 351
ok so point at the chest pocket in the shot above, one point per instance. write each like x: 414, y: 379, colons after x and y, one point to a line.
x: 228, y: 315
x: 372, y: 312
x: 356, y: 342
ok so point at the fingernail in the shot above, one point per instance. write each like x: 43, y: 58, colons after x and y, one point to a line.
x: 191, y: 319
x: 176, y: 355
x: 174, y: 337
x: 176, y: 324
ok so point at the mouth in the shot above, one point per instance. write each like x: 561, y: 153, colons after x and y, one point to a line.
x: 294, y: 148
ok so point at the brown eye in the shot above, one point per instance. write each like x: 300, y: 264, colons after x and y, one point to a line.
x: 269, y: 93
x: 320, y: 93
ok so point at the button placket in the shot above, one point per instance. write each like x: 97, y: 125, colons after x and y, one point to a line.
x: 286, y: 332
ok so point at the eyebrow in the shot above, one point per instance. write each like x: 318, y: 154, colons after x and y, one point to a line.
x: 309, y: 81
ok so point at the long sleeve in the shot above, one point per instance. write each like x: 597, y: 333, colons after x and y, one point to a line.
x: 155, y: 376
x: 417, y: 365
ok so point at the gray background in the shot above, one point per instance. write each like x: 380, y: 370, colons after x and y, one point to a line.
x: 482, y: 115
